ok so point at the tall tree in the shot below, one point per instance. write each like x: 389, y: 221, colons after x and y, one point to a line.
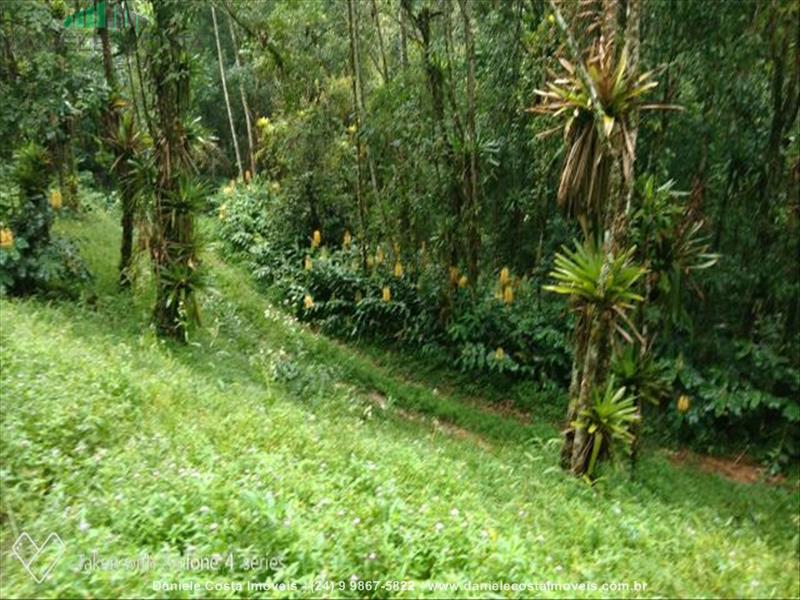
x: 471, y: 174
x: 245, y: 106
x: 172, y: 243
x: 355, y: 73
x: 605, y: 136
x: 225, y: 93
x: 120, y: 140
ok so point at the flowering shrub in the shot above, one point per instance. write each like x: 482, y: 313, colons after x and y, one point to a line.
x: 503, y: 325
x: 31, y: 258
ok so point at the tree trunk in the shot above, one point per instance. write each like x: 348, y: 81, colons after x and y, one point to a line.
x: 376, y: 17
x: 450, y: 163
x: 145, y: 107
x: 61, y: 145
x: 473, y: 207
x: 403, y: 39
x: 225, y: 93
x: 112, y: 124
x: 355, y: 85
x: 247, y: 118
x: 172, y: 243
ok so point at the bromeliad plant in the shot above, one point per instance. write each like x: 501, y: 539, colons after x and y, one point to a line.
x: 127, y: 144
x: 596, y: 101
x: 608, y: 421
x: 650, y: 380
x: 591, y: 279
x: 602, y: 288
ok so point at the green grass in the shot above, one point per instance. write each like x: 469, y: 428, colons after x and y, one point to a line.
x: 266, y: 440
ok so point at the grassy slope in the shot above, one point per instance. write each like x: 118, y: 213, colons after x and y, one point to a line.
x: 267, y: 440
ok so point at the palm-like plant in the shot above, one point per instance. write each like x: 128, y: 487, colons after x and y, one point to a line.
x: 672, y: 240
x: 176, y: 250
x: 596, y: 100
x: 640, y: 373
x: 606, y: 421
x: 592, y: 279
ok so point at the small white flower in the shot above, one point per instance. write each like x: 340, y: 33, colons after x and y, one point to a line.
x: 353, y: 577
x: 204, y: 510
x: 484, y: 534
x: 213, y: 527
x: 559, y: 568
x: 439, y: 527
x: 454, y: 513
x: 356, y: 521
x: 521, y: 513
x: 372, y: 556
x: 84, y: 526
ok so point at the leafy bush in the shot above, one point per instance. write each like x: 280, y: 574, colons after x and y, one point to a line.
x: 31, y: 259
x: 506, y: 329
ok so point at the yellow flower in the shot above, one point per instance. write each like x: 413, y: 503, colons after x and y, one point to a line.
x: 499, y: 354
x: 56, y: 200
x: 504, y: 276
x: 387, y: 294
x: 463, y: 282
x: 508, y: 295
x: 453, y: 275
x: 308, y: 264
x: 347, y: 239
x: 222, y: 210
x: 379, y: 256
x: 6, y: 238
x: 316, y: 239
x: 308, y: 302
x: 263, y: 122
x: 398, y: 270
x: 351, y: 130
x: 275, y: 187
x: 684, y: 402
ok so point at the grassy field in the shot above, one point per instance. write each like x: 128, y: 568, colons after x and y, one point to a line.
x: 271, y: 454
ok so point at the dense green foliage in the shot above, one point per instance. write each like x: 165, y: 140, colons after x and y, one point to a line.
x: 378, y: 158
x: 417, y: 237
x: 271, y: 441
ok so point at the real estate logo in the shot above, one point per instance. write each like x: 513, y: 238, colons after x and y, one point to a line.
x: 38, y: 560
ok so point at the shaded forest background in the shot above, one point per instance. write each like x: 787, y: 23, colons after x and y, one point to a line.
x: 381, y: 170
